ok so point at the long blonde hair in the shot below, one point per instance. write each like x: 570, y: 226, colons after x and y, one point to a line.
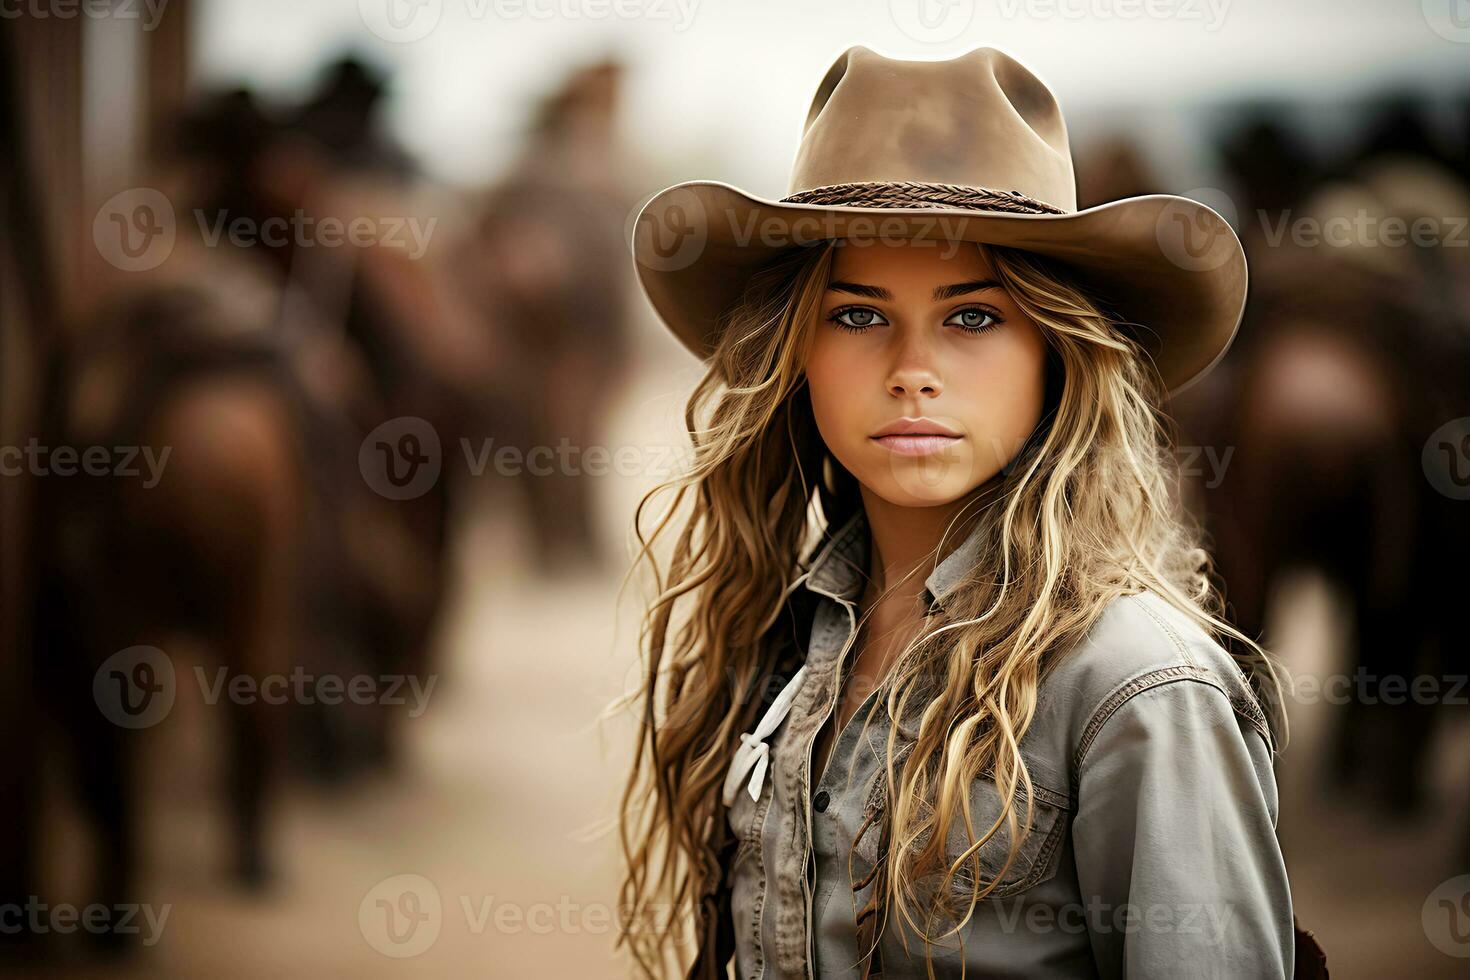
x: 1088, y: 510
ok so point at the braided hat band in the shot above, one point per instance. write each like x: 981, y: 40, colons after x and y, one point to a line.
x: 910, y: 194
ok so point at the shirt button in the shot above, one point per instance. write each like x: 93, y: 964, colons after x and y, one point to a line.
x: 819, y: 802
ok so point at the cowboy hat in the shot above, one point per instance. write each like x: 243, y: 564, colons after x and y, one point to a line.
x: 970, y: 149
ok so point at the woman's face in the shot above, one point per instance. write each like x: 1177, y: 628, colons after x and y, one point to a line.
x: 918, y: 337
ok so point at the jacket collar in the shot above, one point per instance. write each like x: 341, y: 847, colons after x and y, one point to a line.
x: 840, y: 568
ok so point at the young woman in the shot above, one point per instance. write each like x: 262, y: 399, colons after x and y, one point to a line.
x: 935, y: 678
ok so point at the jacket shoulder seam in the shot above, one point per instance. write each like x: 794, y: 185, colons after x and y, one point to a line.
x: 1143, y: 682
x: 1245, y: 704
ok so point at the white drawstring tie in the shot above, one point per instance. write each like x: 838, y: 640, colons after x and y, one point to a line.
x: 753, y: 750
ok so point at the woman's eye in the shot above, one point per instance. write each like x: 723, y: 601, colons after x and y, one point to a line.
x: 856, y: 317
x: 975, y: 319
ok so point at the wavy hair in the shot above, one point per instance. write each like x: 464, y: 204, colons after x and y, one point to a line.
x: 1086, y: 511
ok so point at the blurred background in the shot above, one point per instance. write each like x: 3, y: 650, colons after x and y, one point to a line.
x: 326, y: 396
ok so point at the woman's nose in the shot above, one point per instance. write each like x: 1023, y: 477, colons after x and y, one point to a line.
x: 913, y: 372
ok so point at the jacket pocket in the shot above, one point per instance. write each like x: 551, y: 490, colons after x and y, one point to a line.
x: 1036, y: 861
x: 1037, y: 858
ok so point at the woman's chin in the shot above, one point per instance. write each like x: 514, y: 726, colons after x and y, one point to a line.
x: 917, y: 492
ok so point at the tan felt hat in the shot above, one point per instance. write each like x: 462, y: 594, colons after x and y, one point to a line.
x: 969, y: 149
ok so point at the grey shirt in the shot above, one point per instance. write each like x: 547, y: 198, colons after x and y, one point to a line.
x: 1152, y: 850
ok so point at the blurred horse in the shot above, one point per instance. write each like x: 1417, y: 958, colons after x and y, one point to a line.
x: 201, y: 545
x: 1340, y: 374
x: 253, y: 377
x: 1306, y: 446
x: 545, y: 267
x: 379, y: 305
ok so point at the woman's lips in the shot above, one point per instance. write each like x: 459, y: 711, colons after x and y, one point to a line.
x: 916, y: 444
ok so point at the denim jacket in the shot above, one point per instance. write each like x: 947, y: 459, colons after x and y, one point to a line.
x: 1152, y: 850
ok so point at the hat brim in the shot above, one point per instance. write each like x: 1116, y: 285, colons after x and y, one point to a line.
x: 1170, y: 267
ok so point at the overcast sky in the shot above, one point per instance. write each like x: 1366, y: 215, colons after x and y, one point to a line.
x: 727, y: 82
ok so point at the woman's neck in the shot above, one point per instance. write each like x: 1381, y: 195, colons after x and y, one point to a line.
x: 902, y: 542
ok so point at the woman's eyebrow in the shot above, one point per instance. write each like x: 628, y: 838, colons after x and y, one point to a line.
x: 860, y: 289
x: 961, y: 288
x: 940, y: 292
